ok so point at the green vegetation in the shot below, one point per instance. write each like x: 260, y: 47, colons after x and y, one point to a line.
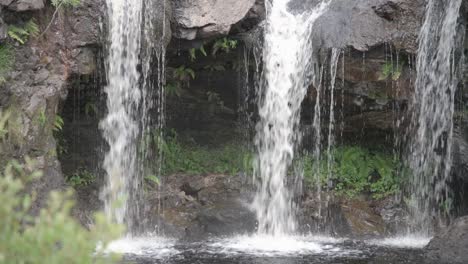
x: 356, y: 170
x: 194, y: 159
x: 173, y: 89
x: 42, y: 118
x: 53, y: 236
x: 193, y: 53
x: 389, y: 70
x: 58, y: 124
x: 7, y: 59
x: 21, y: 34
x: 224, y: 44
x: 82, y: 177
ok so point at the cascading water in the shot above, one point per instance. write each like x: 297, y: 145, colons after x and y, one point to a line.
x: 121, y: 127
x: 134, y: 41
x: 287, y: 68
x: 433, y: 108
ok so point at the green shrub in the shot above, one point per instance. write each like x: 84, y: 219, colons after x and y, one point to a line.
x: 21, y: 34
x: 82, y: 177
x: 194, y: 159
x: 355, y: 170
x: 7, y: 59
x: 390, y: 70
x: 224, y: 44
x: 53, y: 236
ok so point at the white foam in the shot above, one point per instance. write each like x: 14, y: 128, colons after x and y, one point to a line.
x: 267, y: 245
x: 409, y: 241
x: 156, y: 247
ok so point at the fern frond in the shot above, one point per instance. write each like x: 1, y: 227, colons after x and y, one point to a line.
x: 32, y: 28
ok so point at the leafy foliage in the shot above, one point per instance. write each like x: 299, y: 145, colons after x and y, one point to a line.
x: 193, y: 53
x: 224, y: 44
x: 173, y: 89
x: 184, y: 73
x: 58, y: 124
x: 7, y: 59
x: 42, y: 118
x: 53, y: 236
x: 355, y: 170
x: 82, y: 177
x: 389, y: 70
x: 22, y: 34
x: 194, y: 159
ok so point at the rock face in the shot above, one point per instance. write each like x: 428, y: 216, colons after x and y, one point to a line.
x: 39, y: 81
x: 22, y: 5
x: 449, y: 246
x: 363, y: 24
x: 197, y: 207
x: 207, y: 18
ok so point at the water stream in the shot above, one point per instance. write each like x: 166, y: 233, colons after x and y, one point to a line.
x: 121, y: 125
x: 433, y: 109
x: 286, y: 61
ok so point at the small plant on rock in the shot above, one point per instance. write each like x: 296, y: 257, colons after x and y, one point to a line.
x: 7, y: 59
x: 82, y: 177
x: 224, y: 44
x: 21, y: 34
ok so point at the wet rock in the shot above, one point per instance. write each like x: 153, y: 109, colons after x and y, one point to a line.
x: 197, y: 207
x: 23, y: 5
x: 362, y: 219
x: 207, y: 18
x: 363, y: 24
x: 459, y: 182
x: 3, y: 29
x: 449, y: 246
x: 355, y: 217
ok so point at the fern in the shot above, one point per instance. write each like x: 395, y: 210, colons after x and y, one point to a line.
x: 32, y: 28
x: 58, y: 124
x: 22, y: 34
x: 225, y: 45
x: 19, y: 34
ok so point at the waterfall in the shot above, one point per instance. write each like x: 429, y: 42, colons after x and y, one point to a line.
x: 433, y: 109
x: 287, y: 72
x: 121, y: 127
x: 131, y: 95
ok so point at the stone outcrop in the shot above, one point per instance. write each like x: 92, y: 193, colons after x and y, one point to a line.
x: 194, y: 19
x: 449, y: 246
x: 22, y: 5
x: 363, y: 24
x: 39, y: 81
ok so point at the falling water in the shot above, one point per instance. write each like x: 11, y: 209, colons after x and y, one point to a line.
x: 286, y: 57
x: 121, y: 127
x: 433, y: 108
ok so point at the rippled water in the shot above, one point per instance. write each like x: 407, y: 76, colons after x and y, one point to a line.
x: 272, y: 250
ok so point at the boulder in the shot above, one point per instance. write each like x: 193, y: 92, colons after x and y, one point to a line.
x: 22, y: 5
x: 363, y: 24
x: 201, y: 206
x: 451, y: 244
x: 207, y: 18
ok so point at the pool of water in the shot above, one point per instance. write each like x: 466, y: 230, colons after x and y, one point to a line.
x: 271, y: 250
